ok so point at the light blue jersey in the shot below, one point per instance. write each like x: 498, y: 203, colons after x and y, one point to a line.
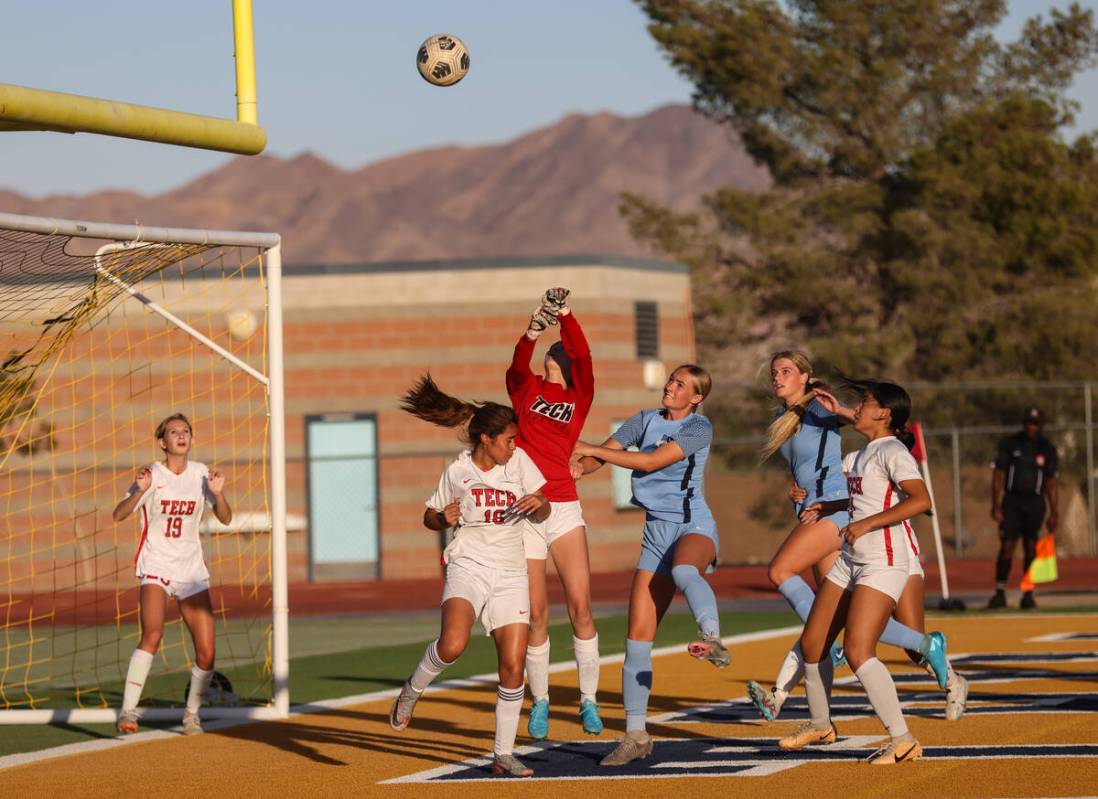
x: 673, y: 493
x: 815, y: 456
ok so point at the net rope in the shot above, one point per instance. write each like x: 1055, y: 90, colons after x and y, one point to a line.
x: 86, y: 372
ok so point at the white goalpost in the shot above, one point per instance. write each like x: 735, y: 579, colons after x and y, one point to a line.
x: 104, y: 330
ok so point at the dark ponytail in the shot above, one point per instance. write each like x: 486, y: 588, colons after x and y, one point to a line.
x: 889, y: 396
x: 428, y: 402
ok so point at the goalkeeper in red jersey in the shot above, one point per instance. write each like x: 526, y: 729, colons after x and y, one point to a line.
x: 551, y: 411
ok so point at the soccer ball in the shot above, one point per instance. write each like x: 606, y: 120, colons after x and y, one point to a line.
x: 443, y: 59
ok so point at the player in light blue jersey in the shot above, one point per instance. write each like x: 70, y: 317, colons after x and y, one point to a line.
x: 806, y: 432
x: 680, y: 536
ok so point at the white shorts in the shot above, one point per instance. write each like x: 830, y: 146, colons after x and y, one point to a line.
x: 175, y: 588
x: 889, y: 580
x: 537, y: 537
x: 498, y: 597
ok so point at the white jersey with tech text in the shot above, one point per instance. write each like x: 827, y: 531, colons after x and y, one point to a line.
x: 171, y: 511
x: 487, y: 533
x: 873, y: 477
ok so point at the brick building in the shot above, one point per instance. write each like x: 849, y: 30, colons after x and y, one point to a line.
x: 357, y: 336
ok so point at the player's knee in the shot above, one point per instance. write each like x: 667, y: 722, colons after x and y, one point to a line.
x: 858, y: 651
x: 684, y: 574
x: 450, y: 647
x: 580, y: 614
x: 150, y: 640
x: 204, y: 658
x: 511, y: 672
x: 778, y: 574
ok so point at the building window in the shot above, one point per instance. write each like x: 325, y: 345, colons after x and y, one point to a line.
x: 344, y: 535
x: 621, y: 479
x: 647, y: 326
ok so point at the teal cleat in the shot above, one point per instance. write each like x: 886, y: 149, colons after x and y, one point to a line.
x: 589, y: 715
x: 538, y: 724
x: 933, y: 649
x: 838, y: 656
x: 765, y: 701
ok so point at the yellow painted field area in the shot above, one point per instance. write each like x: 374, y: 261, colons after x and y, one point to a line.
x: 1031, y: 730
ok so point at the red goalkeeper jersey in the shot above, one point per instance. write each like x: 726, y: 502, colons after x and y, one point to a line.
x: 551, y: 416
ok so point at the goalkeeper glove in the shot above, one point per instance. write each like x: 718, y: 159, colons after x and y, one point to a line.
x: 555, y: 302
x: 538, y: 322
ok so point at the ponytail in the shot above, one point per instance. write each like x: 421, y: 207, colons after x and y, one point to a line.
x: 426, y: 401
x: 789, y: 423
x: 907, y: 438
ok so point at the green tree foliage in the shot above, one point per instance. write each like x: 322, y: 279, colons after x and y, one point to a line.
x: 927, y: 219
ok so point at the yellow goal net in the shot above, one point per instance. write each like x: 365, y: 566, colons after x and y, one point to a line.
x: 105, y: 330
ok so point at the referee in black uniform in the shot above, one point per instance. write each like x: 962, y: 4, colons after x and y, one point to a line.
x: 1024, y: 479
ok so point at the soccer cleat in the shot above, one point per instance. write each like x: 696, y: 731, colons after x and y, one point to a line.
x: 896, y: 752
x: 127, y: 722
x: 838, y: 655
x: 510, y: 766
x: 589, y: 716
x: 401, y: 713
x: 998, y: 600
x: 710, y: 648
x: 956, y: 697
x: 933, y: 649
x: 191, y: 724
x: 768, y: 703
x: 537, y: 726
x: 1028, y: 602
x: 807, y: 735
x: 636, y: 745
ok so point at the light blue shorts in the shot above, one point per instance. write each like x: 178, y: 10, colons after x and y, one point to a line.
x: 839, y: 518
x: 658, y: 545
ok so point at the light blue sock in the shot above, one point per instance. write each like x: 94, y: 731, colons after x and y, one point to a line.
x: 636, y: 683
x: 700, y: 598
x: 799, y: 596
x: 902, y: 636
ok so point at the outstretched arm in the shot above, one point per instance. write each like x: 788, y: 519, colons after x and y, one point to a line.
x: 663, y: 455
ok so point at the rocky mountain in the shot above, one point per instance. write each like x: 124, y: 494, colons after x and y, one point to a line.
x: 553, y: 191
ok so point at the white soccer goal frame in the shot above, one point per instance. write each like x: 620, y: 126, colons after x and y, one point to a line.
x: 122, y: 236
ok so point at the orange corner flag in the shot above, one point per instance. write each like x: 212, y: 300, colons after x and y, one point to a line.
x: 1043, y: 567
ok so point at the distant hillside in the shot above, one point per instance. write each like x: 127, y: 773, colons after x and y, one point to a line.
x: 551, y: 192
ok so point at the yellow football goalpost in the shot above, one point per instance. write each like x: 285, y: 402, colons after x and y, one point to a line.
x: 23, y: 108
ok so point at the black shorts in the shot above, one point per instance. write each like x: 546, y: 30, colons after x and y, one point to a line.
x: 1022, y: 517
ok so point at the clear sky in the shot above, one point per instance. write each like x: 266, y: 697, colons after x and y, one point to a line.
x: 335, y: 77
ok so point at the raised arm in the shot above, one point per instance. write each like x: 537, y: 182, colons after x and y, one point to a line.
x: 140, y: 486
x: 575, y: 344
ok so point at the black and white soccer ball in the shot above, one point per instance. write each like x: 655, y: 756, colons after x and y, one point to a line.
x: 443, y: 59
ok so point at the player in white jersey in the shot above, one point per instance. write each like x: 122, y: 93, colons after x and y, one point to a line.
x: 863, y: 587
x: 171, y: 497
x: 487, y: 493
x: 909, y: 612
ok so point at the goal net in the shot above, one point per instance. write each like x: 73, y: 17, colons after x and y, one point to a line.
x: 105, y: 330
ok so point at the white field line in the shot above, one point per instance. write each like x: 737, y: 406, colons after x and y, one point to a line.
x: 101, y: 744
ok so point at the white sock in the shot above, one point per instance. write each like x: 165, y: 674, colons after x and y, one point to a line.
x: 430, y: 666
x: 881, y: 690
x: 791, y: 672
x: 200, y: 681
x: 136, y: 674
x: 508, y: 708
x: 537, y: 670
x: 819, y: 706
x: 587, y: 664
